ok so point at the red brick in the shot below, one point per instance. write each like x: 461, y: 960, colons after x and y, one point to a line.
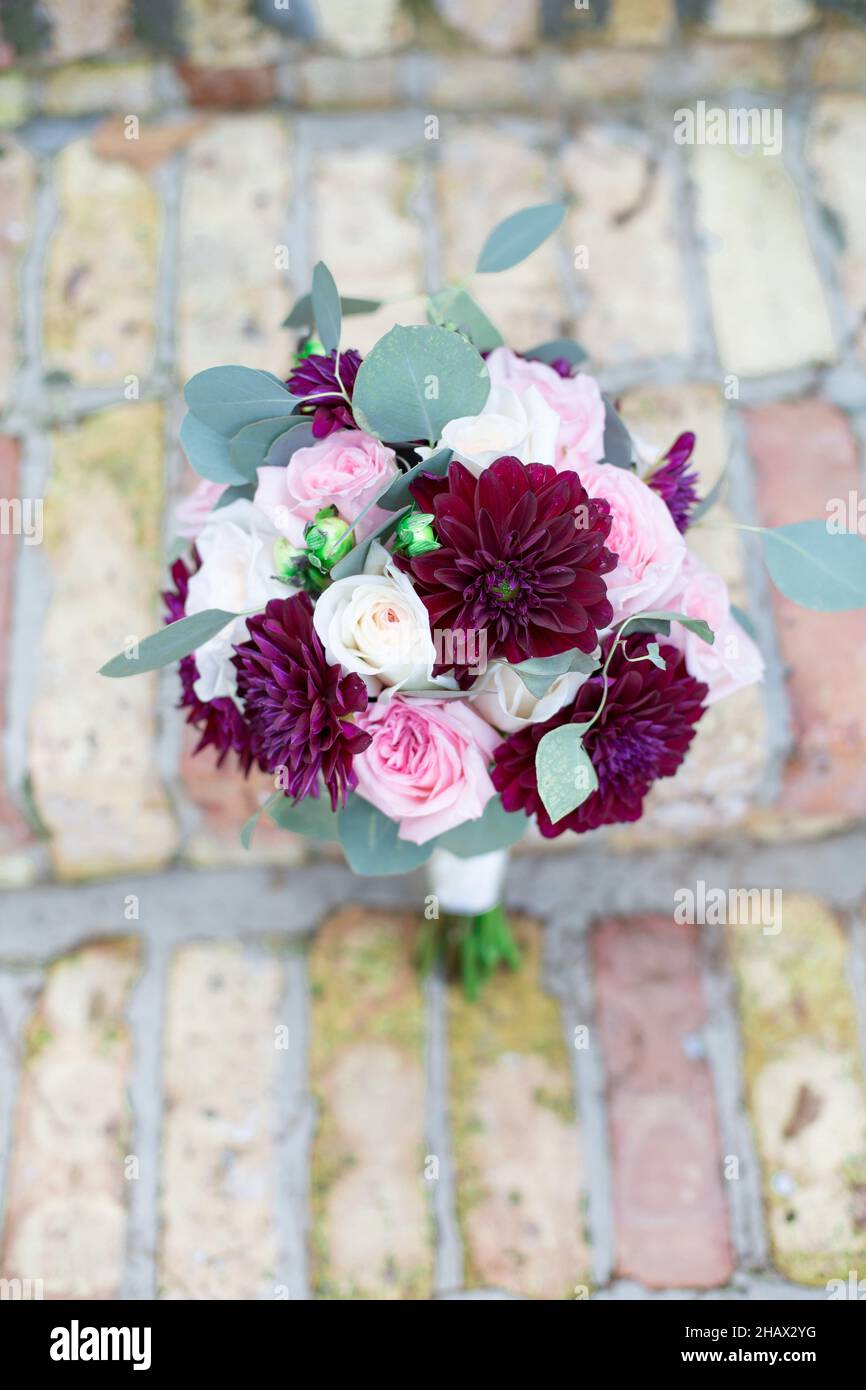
x: 228, y: 88
x: 805, y: 454
x: 14, y: 831
x: 669, y: 1207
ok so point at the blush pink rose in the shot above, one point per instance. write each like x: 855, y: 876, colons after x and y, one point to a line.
x: 426, y: 767
x: 193, y: 510
x: 577, y: 401
x: 650, y: 550
x: 733, y: 661
x: 346, y: 470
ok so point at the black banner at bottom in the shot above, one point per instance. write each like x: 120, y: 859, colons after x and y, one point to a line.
x: 651, y: 1334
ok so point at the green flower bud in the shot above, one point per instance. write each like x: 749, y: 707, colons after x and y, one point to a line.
x: 328, y: 538
x: 308, y: 347
x: 415, y: 534
x: 287, y: 559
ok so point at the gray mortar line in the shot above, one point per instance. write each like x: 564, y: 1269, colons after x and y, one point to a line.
x: 443, y: 1196
x: 856, y: 971
x: 146, y: 1017
x: 294, y: 1129
x: 724, y: 1055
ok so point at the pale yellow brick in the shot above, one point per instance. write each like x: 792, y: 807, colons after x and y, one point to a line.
x: 99, y: 298
x: 67, y: 1187
x: 92, y: 749
x: 836, y: 150
x: 234, y: 214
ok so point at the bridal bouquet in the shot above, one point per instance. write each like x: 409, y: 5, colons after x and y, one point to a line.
x: 442, y: 590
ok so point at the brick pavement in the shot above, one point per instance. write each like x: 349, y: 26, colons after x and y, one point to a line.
x: 143, y: 989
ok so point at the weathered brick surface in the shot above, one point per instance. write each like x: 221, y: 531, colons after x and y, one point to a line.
x: 223, y: 800
x: 755, y: 248
x: 759, y: 16
x: 227, y: 35
x: 516, y: 1141
x: 641, y: 21
x: 837, y: 153
x: 484, y: 175
x: 805, y: 455
x: 85, y: 27
x: 805, y: 1089
x: 17, y: 181
x: 371, y: 1234
x: 360, y: 31
x: 80, y: 89
x: 621, y: 238
x: 100, y: 280
x: 325, y: 80
x: 377, y: 258
x: 66, y: 1195
x: 669, y: 1207
x: 234, y: 214
x: 223, y: 1046
x: 501, y: 28
x: 92, y: 739
x: 840, y: 57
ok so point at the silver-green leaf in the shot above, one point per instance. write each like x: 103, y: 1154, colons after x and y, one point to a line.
x: 172, y: 642
x: 817, y: 568
x: 326, y: 307
x: 515, y: 238
x: 415, y: 380
x: 564, y: 771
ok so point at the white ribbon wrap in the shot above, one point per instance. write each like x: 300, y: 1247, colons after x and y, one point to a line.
x: 467, y: 886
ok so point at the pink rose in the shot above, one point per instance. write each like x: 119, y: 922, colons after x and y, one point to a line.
x: 577, y: 401
x: 193, y: 510
x: 733, y: 661
x: 650, y: 550
x: 346, y: 470
x: 427, y: 764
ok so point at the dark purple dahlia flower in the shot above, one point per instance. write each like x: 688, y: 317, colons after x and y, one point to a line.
x: 642, y: 734
x: 522, y: 558
x: 676, y: 483
x: 220, y: 722
x: 316, y: 378
x: 298, y: 704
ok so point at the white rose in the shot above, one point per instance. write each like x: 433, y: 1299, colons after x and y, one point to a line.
x: 524, y: 427
x: 504, y: 701
x: 376, y: 625
x: 236, y: 546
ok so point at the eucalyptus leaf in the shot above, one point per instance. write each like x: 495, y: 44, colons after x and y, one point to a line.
x: 515, y: 238
x: 312, y: 817
x: 371, y: 844
x: 655, y: 656
x: 172, y: 642
x: 557, y: 348
x: 208, y: 452
x: 817, y: 568
x: 354, y: 562
x: 695, y: 625
x: 415, y: 380
x: 539, y: 672
x: 240, y: 492
x: 227, y: 398
x: 249, y: 448
x: 496, y: 828
x: 456, y: 306
x: 326, y: 307
x: 399, y: 495
x: 248, y: 829
x: 302, y: 311
x: 297, y: 436
x: 617, y: 446
x: 564, y: 771
x: 661, y: 625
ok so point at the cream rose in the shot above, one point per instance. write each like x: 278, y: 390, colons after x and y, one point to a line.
x: 522, y: 427
x: 503, y: 700
x: 376, y: 625
x: 236, y: 547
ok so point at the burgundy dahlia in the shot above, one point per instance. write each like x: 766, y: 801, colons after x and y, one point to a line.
x: 522, y: 557
x: 221, y: 723
x: 642, y: 734
x: 676, y: 483
x: 298, y: 704
x: 316, y: 379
